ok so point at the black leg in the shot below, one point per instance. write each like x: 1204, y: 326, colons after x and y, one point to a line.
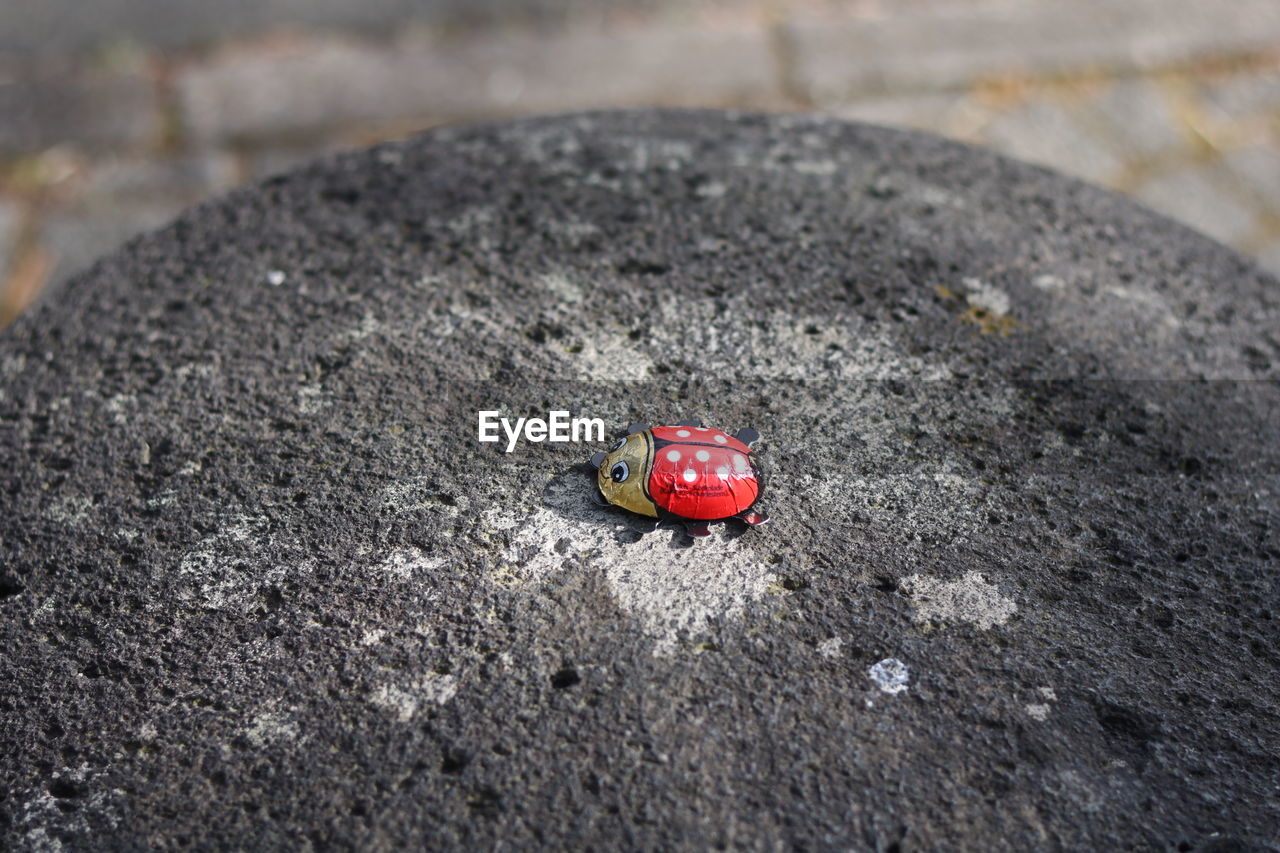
x: 697, y: 529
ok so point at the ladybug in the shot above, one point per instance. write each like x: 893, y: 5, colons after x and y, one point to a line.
x: 685, y: 472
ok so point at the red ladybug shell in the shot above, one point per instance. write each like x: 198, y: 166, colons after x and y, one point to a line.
x: 701, y: 473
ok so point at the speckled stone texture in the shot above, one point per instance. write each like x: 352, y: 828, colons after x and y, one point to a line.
x: 262, y: 587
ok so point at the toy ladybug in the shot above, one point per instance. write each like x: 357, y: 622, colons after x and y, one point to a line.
x: 684, y: 472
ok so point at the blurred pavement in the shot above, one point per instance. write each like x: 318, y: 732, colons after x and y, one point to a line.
x: 112, y: 123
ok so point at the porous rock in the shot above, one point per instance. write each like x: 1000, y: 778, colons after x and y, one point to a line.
x: 263, y: 587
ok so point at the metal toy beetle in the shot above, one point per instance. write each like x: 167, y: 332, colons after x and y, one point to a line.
x: 685, y: 472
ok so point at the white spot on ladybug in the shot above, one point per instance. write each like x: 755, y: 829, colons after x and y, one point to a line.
x: 701, y: 429
x: 683, y: 433
x: 690, y: 475
x: 702, y: 455
x: 723, y: 472
x: 722, y: 439
x: 673, y: 455
x: 740, y: 463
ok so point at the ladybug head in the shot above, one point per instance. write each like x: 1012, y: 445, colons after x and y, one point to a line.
x: 625, y: 470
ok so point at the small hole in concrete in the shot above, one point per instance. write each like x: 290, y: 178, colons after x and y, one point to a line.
x: 271, y: 598
x: 485, y: 802
x: 63, y: 789
x: 9, y: 586
x: 885, y: 583
x: 454, y: 761
x: 565, y: 678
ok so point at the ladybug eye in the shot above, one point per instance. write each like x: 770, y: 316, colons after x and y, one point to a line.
x: 617, y: 445
x: 619, y: 472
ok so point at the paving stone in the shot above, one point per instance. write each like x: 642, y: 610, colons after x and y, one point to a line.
x: 1141, y: 121
x: 180, y: 180
x: 1258, y: 169
x: 934, y: 112
x: 1269, y: 257
x: 11, y: 215
x: 259, y: 581
x: 1048, y: 134
x: 265, y: 161
x: 74, y: 240
x: 905, y: 47
x: 45, y: 26
x: 1201, y: 196
x: 93, y: 110
x: 333, y: 84
x: 1242, y: 96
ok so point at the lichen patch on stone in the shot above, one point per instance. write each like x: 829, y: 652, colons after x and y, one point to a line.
x: 225, y: 571
x: 269, y: 727
x: 671, y: 591
x: 407, y: 699
x: 890, y: 675
x: 971, y: 599
x: 405, y: 563
x: 830, y: 648
x: 611, y: 357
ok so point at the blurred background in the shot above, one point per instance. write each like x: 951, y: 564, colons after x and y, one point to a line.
x: 117, y: 114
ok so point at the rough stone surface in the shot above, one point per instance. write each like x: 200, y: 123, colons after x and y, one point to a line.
x: 262, y: 587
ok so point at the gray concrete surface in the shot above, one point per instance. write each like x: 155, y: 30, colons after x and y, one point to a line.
x: 263, y: 588
x: 41, y: 27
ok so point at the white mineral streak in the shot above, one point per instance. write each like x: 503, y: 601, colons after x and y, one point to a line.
x: 269, y: 727
x: 69, y: 510
x: 981, y: 294
x: 969, y: 599
x: 405, y: 563
x: 406, y: 700
x: 311, y: 398
x: 560, y: 286
x: 226, y: 570
x: 668, y: 590
x: 830, y: 648
x: 612, y: 357
x: 890, y: 675
x: 782, y: 346
x: 1040, y: 710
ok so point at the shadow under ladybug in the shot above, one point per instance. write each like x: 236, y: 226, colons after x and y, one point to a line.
x: 686, y: 473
